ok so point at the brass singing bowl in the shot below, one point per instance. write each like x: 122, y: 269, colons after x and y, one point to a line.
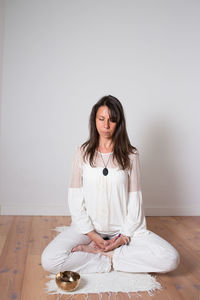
x: 68, y: 280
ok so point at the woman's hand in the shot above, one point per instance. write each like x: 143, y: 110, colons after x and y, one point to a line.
x: 98, y: 240
x: 114, y: 243
x: 119, y: 241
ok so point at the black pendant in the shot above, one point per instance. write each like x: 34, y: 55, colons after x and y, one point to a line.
x: 105, y: 171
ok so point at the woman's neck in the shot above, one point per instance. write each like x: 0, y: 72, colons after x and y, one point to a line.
x: 105, y: 146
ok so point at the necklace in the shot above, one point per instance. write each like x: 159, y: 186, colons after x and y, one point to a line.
x: 105, y: 170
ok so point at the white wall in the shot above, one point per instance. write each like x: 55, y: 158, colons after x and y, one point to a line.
x: 2, y: 13
x: 60, y: 57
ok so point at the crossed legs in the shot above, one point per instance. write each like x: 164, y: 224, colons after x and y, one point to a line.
x: 145, y: 253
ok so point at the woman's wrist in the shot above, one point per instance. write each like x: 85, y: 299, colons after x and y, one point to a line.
x: 125, y: 238
x: 90, y: 234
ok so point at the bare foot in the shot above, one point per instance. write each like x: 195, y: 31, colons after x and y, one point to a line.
x: 90, y: 248
x: 85, y: 248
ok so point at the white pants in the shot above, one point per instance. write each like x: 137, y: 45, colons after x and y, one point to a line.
x: 145, y: 253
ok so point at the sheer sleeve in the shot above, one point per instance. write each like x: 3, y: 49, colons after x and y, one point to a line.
x: 75, y: 196
x: 135, y: 218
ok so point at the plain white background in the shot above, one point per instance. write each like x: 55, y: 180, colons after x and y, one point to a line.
x: 58, y: 58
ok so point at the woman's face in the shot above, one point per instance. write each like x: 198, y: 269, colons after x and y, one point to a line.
x: 105, y: 126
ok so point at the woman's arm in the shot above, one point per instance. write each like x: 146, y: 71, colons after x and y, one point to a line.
x: 75, y: 196
x: 135, y: 214
x: 98, y: 240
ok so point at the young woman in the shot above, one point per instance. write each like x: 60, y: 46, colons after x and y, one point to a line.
x: 108, y: 229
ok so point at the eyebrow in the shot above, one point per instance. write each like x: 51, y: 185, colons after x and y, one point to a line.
x: 101, y: 116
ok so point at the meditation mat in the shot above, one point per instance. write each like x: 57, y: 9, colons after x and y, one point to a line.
x: 111, y: 282
x: 114, y: 281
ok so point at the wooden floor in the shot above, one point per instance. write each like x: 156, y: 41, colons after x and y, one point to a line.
x: 23, y: 238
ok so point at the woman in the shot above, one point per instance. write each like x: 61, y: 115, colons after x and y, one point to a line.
x: 108, y: 229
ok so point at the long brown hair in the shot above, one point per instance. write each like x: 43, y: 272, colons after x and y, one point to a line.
x: 122, y: 145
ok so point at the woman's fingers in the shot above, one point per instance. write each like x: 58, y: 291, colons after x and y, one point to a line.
x: 111, y: 247
x: 118, y: 242
x: 102, y: 245
x: 97, y: 246
x: 107, y: 243
x: 114, y: 239
x: 111, y: 241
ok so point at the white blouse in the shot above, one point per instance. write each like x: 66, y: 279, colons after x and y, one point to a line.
x: 107, y: 204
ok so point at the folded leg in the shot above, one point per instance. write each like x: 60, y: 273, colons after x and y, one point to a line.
x: 57, y: 256
x: 146, y: 253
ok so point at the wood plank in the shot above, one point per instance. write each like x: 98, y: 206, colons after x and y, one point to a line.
x: 12, y: 260
x: 175, y: 234
x: 23, y: 238
x: 41, y: 235
x: 5, y: 224
x: 193, y: 221
x: 192, y: 228
x: 183, y: 278
x: 191, y: 234
x: 39, y: 238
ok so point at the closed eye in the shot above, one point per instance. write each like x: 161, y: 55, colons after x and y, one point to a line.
x: 113, y: 121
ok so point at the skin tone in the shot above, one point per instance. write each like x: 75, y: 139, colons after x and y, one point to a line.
x: 106, y: 128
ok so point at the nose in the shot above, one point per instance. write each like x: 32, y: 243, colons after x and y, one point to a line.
x: 106, y: 124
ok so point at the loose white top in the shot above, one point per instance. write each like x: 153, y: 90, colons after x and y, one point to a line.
x: 108, y: 204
